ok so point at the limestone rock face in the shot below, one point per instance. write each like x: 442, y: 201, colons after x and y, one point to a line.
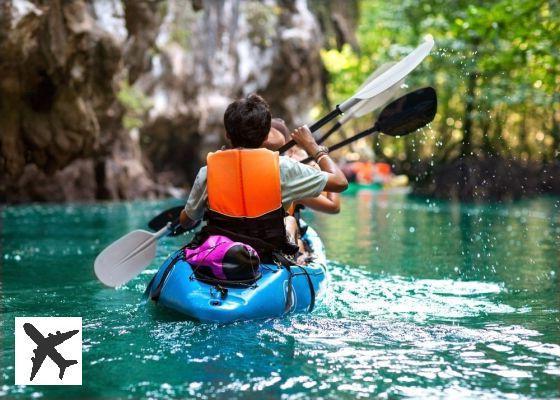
x: 228, y: 49
x: 59, y: 72
x: 119, y: 99
x: 52, y: 84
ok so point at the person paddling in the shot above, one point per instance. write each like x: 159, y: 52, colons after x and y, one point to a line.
x: 244, y: 192
x: 327, y: 202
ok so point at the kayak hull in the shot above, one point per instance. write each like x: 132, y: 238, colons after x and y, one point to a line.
x: 175, y: 287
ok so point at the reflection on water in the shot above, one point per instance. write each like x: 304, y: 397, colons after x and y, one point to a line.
x: 426, y: 299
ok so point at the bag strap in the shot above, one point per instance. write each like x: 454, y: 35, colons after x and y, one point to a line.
x: 257, y: 243
x: 157, y: 292
x: 288, y: 264
x: 289, y: 303
x: 311, y: 290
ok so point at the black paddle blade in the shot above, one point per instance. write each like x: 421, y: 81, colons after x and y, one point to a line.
x: 408, y: 113
x: 170, y: 215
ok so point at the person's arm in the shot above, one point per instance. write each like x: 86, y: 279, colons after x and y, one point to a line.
x: 196, y: 204
x: 329, y: 203
x: 336, y: 181
x: 185, y: 221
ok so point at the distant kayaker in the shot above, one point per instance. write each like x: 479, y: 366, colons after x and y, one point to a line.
x: 279, y: 134
x: 244, y: 192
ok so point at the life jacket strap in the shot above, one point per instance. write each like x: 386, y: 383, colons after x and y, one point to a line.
x: 267, y: 231
x: 265, y: 249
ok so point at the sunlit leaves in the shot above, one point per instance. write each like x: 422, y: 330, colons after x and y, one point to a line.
x: 512, y: 47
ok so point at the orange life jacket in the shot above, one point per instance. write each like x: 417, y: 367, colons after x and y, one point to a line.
x: 245, y: 198
x: 244, y: 183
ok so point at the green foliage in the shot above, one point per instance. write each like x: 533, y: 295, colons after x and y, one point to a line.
x: 496, y: 67
x: 135, y: 103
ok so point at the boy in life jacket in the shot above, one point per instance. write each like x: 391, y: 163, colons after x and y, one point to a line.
x: 327, y: 202
x: 244, y: 192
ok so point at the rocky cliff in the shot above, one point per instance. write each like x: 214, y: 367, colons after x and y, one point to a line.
x: 109, y: 99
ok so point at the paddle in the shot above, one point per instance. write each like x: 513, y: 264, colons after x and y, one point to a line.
x: 378, y: 85
x: 124, y: 259
x: 366, y: 106
x: 399, y: 118
x: 170, y: 215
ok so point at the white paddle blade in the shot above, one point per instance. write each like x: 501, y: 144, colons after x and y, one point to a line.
x: 353, y: 111
x: 396, y: 73
x: 367, y: 106
x: 378, y: 71
x: 126, y: 258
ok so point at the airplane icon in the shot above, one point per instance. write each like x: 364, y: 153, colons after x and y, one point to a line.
x: 46, y: 347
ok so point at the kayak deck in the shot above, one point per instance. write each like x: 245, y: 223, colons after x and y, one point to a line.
x: 175, y: 287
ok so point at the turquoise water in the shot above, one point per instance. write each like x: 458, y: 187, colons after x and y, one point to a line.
x: 425, y: 300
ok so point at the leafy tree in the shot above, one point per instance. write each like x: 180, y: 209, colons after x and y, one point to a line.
x: 496, y: 69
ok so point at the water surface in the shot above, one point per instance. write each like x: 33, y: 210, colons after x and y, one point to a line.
x: 425, y: 299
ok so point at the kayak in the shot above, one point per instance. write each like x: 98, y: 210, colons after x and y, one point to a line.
x: 278, y: 291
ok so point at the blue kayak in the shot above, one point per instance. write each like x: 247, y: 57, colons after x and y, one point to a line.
x: 280, y: 290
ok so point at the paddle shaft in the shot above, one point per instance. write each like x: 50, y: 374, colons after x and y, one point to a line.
x: 354, y: 112
x: 165, y: 230
x: 338, y: 124
x: 356, y: 106
x: 378, y: 85
x: 333, y: 129
x: 363, y: 134
x: 339, y: 110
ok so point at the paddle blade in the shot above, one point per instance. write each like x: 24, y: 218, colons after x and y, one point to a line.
x: 171, y: 215
x: 396, y: 73
x: 379, y: 70
x: 126, y: 258
x: 161, y: 220
x: 367, y: 106
x: 408, y: 113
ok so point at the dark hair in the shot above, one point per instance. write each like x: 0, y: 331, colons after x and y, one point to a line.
x: 280, y: 126
x: 247, y: 121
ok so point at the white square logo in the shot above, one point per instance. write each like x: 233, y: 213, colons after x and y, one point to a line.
x: 48, y: 351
